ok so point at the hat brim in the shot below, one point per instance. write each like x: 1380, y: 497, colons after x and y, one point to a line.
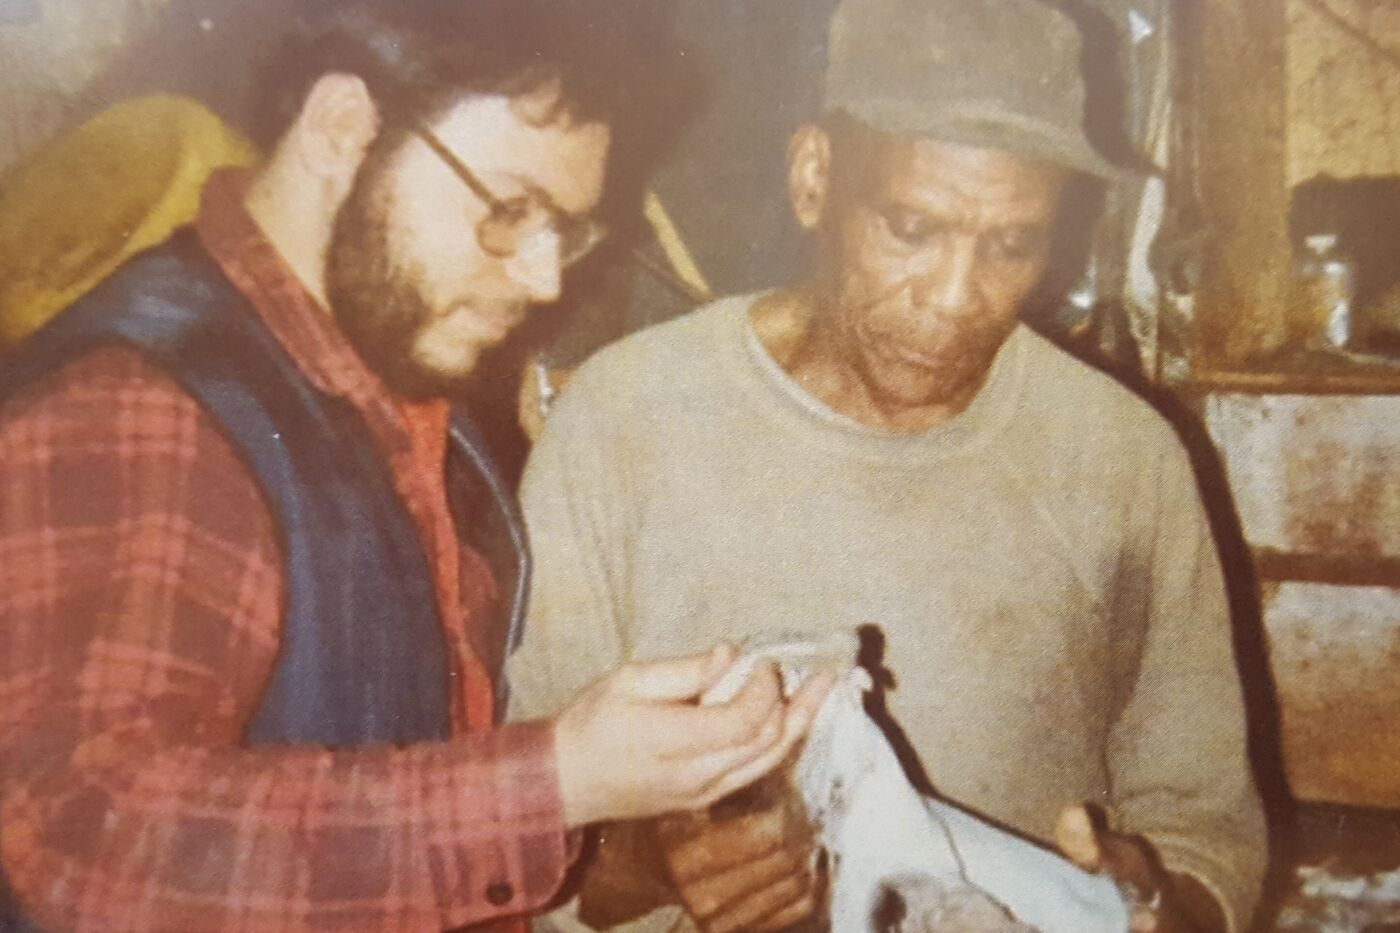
x: 986, y: 127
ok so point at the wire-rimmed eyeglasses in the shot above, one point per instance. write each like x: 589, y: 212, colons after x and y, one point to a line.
x: 509, y: 222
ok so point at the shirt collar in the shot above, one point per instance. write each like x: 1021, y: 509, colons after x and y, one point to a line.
x: 299, y: 322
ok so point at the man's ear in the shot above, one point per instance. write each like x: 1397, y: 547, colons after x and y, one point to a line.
x: 809, y: 174
x: 337, y: 122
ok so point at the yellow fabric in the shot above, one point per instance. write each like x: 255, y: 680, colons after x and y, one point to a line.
x: 95, y: 196
x: 673, y: 244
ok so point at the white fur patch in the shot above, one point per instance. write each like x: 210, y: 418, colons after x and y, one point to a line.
x: 903, y: 863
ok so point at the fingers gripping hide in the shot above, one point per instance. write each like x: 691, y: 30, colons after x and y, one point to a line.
x: 741, y: 870
x: 1077, y: 838
x: 676, y: 680
x: 760, y: 909
x: 738, y: 730
x: 698, y: 846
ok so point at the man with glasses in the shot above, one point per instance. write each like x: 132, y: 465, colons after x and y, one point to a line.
x: 257, y: 579
x: 885, y: 444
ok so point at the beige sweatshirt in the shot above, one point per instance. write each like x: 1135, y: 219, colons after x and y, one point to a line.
x: 1040, y: 566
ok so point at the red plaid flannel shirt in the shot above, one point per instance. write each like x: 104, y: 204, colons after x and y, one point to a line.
x: 141, y: 592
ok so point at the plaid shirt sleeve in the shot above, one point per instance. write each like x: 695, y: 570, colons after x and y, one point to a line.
x: 140, y: 592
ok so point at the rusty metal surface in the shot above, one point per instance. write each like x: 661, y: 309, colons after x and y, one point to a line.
x: 1238, y: 55
x: 1316, y: 483
x: 1343, y: 97
x: 1374, y: 380
x: 1335, y: 651
x: 1311, y: 474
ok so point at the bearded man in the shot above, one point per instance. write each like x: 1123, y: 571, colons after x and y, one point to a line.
x: 258, y: 580
x: 886, y: 444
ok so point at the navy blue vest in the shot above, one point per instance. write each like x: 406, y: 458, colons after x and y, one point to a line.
x: 363, y: 659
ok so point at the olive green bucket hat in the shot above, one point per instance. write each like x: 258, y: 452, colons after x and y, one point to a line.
x: 998, y: 74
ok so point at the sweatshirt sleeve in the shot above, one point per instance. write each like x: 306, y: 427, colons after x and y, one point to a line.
x: 1177, y: 752
x: 578, y: 503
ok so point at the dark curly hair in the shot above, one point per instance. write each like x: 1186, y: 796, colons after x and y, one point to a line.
x: 418, y: 57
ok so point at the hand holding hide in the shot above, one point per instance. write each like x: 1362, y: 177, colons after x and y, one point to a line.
x: 748, y: 870
x: 1169, y: 903
x: 635, y: 744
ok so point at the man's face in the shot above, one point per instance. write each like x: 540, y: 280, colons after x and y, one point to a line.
x: 408, y: 276
x: 929, y: 264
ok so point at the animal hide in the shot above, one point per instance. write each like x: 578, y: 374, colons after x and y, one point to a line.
x: 900, y: 861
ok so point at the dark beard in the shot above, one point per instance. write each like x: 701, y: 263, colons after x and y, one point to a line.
x: 378, y: 308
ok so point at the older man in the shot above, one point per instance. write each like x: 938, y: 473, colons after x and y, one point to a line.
x: 251, y: 619
x: 884, y: 443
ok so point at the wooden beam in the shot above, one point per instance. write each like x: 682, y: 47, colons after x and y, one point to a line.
x: 1237, y: 48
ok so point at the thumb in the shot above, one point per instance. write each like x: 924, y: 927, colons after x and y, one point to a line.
x: 678, y: 679
x: 1077, y: 839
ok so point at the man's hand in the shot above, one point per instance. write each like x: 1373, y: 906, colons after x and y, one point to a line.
x: 635, y: 744
x: 1170, y: 903
x: 749, y: 871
